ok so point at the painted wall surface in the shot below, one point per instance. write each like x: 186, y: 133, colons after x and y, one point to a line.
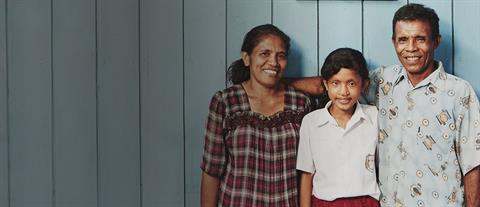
x: 103, y: 102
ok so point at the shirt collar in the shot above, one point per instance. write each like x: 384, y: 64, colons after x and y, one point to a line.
x: 325, y: 117
x: 433, y: 78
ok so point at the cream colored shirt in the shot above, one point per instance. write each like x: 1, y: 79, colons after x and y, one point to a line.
x: 342, y: 161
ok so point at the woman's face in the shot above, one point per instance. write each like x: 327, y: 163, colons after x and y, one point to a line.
x: 267, y: 61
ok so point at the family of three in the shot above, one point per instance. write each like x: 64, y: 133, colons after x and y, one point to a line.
x: 402, y: 135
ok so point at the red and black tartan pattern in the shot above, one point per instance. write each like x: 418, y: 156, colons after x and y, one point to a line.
x: 253, y: 155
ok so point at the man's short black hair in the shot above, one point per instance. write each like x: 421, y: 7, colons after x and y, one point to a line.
x: 412, y: 12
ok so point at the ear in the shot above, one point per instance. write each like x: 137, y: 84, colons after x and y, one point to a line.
x: 365, y: 85
x: 438, y: 40
x: 246, y: 59
x: 325, y: 85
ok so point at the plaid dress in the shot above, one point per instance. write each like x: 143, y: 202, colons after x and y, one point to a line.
x: 254, y: 156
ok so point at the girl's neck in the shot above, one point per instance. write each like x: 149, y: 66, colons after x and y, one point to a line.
x: 342, y: 117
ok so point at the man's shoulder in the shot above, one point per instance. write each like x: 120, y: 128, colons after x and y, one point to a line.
x: 455, y: 83
x: 386, y: 73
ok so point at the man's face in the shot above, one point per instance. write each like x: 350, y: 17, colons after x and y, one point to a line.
x: 415, y: 47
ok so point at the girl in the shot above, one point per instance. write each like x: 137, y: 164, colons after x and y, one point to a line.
x: 253, y: 129
x: 337, y: 143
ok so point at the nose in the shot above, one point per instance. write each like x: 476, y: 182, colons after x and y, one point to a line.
x: 273, y: 61
x: 411, y: 45
x: 344, y: 90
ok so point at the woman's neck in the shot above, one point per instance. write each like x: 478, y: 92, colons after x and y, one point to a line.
x: 264, y: 100
x: 256, y: 89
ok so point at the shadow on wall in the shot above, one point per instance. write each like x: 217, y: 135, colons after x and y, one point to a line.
x: 444, y: 53
x: 295, y: 61
x: 469, y: 74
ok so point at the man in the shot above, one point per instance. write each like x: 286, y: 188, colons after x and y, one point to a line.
x: 429, y: 121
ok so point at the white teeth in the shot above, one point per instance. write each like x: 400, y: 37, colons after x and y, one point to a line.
x: 272, y: 72
x: 413, y: 58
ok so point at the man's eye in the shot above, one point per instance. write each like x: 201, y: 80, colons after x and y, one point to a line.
x: 352, y: 84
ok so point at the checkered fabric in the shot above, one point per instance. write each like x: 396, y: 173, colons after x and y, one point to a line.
x: 254, y: 156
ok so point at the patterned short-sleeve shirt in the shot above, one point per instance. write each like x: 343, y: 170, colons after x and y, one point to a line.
x: 254, y: 156
x: 429, y: 136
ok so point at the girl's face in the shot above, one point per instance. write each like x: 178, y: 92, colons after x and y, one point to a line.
x: 343, y: 89
x: 267, y: 61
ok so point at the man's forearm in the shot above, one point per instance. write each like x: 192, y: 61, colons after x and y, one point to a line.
x: 310, y: 85
x: 472, y: 188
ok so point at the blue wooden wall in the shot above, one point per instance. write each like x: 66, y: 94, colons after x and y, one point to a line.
x: 103, y: 102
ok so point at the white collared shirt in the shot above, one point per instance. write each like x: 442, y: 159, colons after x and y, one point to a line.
x: 342, y: 161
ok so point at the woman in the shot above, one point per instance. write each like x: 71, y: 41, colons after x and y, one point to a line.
x: 252, y: 129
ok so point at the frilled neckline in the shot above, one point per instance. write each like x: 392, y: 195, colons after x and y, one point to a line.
x: 249, y: 110
x: 259, y: 120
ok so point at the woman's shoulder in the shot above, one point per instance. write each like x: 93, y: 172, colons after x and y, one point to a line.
x: 231, y: 91
x: 233, y: 98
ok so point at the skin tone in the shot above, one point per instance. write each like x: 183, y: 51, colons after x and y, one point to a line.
x: 472, y: 187
x: 306, y: 186
x: 415, y: 46
x: 344, y: 88
x: 267, y: 63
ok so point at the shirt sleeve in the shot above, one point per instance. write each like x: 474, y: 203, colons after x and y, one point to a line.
x: 304, y: 155
x: 214, y: 150
x: 469, y: 131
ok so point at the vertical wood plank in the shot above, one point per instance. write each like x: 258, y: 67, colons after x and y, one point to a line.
x: 467, y: 41
x: 30, y: 102
x: 377, y: 32
x: 287, y: 15
x: 74, y: 103
x: 162, y: 109
x: 118, y: 103
x: 242, y: 16
x: 443, y: 9
x: 340, y: 25
x: 4, y: 184
x: 204, y: 46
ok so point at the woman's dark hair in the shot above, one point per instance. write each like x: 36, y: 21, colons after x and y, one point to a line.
x: 237, y: 71
x: 412, y: 12
x: 344, y: 58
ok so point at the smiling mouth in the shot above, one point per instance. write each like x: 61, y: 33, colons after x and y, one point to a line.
x: 270, y: 72
x: 412, y: 58
x: 344, y: 100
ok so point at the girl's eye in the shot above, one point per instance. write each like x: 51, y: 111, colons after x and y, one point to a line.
x: 352, y: 84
